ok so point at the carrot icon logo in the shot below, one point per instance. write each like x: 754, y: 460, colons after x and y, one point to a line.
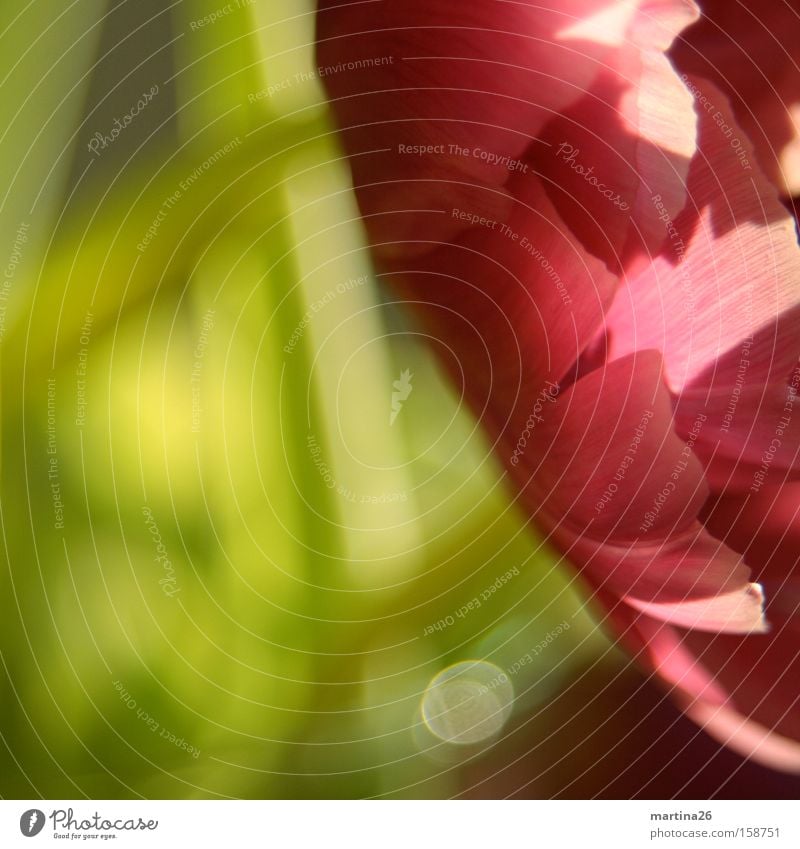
x: 402, y: 389
x: 31, y: 822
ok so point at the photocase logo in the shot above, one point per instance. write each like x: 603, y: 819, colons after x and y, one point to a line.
x: 31, y: 822
x: 402, y: 389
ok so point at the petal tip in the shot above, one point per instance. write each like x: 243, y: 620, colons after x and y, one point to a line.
x: 740, y: 611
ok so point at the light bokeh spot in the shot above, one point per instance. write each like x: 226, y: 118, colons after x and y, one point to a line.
x: 468, y: 703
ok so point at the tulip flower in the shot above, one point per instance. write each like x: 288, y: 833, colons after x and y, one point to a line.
x: 595, y: 237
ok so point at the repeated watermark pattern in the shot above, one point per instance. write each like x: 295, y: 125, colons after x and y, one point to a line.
x: 670, y: 485
x: 328, y: 478
x: 781, y: 428
x: 197, y: 367
x: 100, y: 141
x: 10, y: 271
x: 522, y: 241
x: 625, y: 463
x: 218, y: 14
x: 569, y: 156
x: 402, y: 389
x: 53, y: 476
x: 302, y: 77
x: 152, y: 723
x: 81, y: 369
x: 488, y: 157
x: 168, y: 582
x: 678, y: 247
x: 729, y: 132
x: 546, y: 396
x: 183, y: 186
x: 320, y: 304
x: 529, y: 657
x: 473, y: 604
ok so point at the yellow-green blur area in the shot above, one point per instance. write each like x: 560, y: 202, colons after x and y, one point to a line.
x: 232, y: 562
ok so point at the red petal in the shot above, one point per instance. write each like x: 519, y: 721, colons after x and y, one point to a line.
x: 513, y: 306
x: 731, y: 272
x: 632, y: 137
x: 606, y: 473
x: 740, y: 690
x: 749, y: 49
x: 466, y: 80
x: 747, y: 435
x: 765, y: 528
x: 759, y: 717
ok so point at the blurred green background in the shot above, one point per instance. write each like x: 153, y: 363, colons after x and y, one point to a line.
x: 223, y: 562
